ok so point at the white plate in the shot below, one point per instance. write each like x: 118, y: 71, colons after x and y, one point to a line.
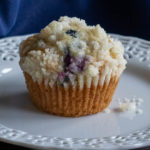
x: 21, y: 123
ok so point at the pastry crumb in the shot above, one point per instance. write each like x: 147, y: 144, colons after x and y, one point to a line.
x: 127, y: 106
x: 107, y: 110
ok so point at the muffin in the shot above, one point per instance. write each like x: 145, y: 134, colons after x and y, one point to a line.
x: 70, y: 68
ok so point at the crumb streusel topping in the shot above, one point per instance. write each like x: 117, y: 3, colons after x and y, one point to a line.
x: 68, y: 49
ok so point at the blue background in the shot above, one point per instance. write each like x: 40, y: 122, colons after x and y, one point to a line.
x: 127, y: 17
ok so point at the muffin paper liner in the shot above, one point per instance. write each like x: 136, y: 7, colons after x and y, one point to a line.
x: 72, y: 101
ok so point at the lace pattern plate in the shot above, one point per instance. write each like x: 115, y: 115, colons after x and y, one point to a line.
x: 21, y: 123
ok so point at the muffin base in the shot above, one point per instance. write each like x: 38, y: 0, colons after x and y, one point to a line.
x: 71, y: 102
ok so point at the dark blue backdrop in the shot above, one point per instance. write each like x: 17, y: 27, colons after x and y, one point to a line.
x: 127, y: 17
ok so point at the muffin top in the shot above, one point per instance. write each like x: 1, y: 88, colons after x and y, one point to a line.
x: 67, y: 49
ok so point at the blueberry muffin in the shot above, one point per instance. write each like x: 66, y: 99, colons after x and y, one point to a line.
x: 70, y: 68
